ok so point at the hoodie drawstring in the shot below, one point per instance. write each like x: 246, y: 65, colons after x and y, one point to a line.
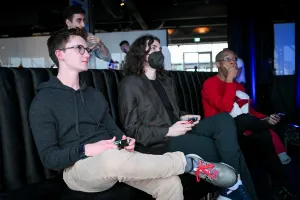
x: 87, y: 111
x: 76, y: 114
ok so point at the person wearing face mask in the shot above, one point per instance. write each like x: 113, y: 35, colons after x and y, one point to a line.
x: 149, y: 113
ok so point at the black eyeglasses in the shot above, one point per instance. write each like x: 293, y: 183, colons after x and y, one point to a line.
x: 81, y: 49
x: 228, y: 59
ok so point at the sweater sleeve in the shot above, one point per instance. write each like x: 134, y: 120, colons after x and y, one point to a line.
x: 43, y: 126
x: 223, y: 102
x: 99, y: 54
x: 256, y: 114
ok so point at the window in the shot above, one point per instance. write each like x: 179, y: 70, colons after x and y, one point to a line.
x: 185, y: 57
x: 284, y: 48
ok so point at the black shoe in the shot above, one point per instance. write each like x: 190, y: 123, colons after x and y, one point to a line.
x: 285, y: 194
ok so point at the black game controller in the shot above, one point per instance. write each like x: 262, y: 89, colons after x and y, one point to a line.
x: 192, y: 119
x: 122, y: 143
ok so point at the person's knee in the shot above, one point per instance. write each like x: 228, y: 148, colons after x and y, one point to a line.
x: 174, y: 184
x: 225, y: 116
x: 170, y: 186
x: 225, y: 119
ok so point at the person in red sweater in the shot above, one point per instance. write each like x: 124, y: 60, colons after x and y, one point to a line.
x: 229, y: 96
x: 221, y: 93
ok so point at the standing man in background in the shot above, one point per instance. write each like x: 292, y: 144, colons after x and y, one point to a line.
x: 74, y: 16
x: 124, y: 46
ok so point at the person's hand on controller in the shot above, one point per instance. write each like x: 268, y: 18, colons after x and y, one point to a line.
x: 179, y: 128
x: 99, y: 147
x: 130, y: 147
x: 186, y: 123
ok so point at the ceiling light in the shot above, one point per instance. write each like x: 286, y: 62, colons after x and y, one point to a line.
x: 201, y: 30
x: 171, y: 31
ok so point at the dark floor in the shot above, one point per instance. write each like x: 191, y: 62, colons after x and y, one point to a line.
x: 261, y: 179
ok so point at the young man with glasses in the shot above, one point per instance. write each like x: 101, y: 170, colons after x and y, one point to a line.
x: 74, y: 132
x: 74, y: 16
x: 222, y: 93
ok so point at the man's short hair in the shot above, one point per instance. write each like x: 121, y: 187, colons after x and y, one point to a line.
x: 124, y: 42
x: 70, y: 11
x: 59, y: 39
x: 220, y: 55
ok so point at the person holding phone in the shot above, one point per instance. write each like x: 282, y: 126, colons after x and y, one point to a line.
x: 149, y: 113
x: 222, y: 93
x: 237, y: 102
x: 74, y: 16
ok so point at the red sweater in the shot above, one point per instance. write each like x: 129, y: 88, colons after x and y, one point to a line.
x: 219, y: 96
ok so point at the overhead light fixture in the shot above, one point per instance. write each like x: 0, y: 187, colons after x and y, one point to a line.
x: 122, y: 4
x: 171, y: 31
x: 201, y: 30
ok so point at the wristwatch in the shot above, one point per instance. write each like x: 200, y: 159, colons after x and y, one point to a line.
x: 82, y: 152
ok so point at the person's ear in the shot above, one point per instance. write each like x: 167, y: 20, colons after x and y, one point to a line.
x: 59, y: 54
x: 218, y: 65
x: 68, y: 22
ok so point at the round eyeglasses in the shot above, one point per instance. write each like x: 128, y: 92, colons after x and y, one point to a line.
x: 228, y: 59
x: 81, y: 49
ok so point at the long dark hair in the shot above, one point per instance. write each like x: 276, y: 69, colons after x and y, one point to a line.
x: 136, y: 56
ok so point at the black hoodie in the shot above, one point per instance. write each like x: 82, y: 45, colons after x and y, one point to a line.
x: 61, y: 119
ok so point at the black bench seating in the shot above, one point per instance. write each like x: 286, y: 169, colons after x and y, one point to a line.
x: 22, y: 175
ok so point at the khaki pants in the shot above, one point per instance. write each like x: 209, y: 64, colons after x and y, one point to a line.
x: 153, y: 174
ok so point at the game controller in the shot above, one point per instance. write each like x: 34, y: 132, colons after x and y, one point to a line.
x: 192, y: 120
x: 122, y: 143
